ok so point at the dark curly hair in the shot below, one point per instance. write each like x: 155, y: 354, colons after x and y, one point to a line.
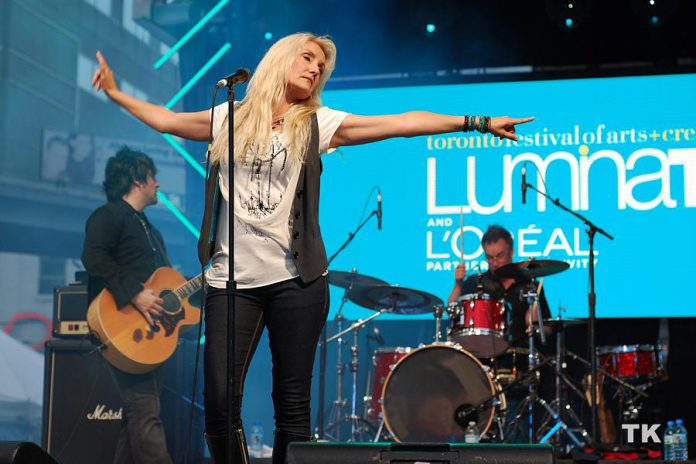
x: 495, y: 233
x: 123, y: 169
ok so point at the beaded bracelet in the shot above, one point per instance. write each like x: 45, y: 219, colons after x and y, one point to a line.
x: 469, y: 124
x: 484, y: 124
x: 481, y: 124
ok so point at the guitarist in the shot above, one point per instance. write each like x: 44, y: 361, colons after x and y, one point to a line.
x: 120, y: 252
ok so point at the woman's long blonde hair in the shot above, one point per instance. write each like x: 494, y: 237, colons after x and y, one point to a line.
x: 253, y: 116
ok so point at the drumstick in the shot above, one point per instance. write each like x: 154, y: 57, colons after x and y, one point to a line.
x: 461, y: 234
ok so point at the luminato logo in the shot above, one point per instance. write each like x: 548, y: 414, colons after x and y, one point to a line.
x: 648, y: 432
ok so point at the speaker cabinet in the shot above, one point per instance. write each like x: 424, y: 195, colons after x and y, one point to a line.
x: 82, y: 407
x: 70, y: 311
x: 412, y: 453
x: 23, y: 453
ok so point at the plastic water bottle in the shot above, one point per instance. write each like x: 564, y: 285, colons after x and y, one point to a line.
x: 668, y: 442
x: 256, y: 440
x: 471, y: 434
x: 681, y: 446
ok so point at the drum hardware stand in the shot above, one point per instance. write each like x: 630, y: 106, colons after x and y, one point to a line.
x: 367, y: 398
x: 438, y: 311
x: 380, y: 431
x: 336, y: 416
x: 532, y: 297
x: 592, y: 230
x: 562, y: 383
x: 355, y: 420
x: 336, y: 413
x: 462, y: 413
x: 323, y: 341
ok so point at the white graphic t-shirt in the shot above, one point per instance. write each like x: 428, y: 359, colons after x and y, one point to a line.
x: 264, y: 187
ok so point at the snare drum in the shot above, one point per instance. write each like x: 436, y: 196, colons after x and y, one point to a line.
x: 478, y: 324
x: 383, y: 361
x: 425, y: 388
x: 630, y: 361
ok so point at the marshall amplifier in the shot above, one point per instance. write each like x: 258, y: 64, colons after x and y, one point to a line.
x: 70, y: 311
x: 82, y: 410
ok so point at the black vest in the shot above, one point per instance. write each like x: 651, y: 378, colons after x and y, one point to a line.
x: 307, y: 245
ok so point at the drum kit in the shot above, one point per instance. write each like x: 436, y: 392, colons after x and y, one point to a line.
x: 430, y: 393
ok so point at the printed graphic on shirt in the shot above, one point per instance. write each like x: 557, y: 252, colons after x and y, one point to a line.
x: 258, y: 197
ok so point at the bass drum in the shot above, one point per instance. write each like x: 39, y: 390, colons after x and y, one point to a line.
x: 426, y: 387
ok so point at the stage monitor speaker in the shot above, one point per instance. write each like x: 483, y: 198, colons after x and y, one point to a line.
x: 412, y: 453
x: 12, y: 452
x: 82, y: 408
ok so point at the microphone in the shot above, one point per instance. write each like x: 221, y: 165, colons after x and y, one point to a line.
x: 379, y: 210
x: 238, y: 77
x: 524, y: 184
x: 464, y: 413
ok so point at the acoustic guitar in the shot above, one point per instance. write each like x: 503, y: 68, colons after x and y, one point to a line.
x: 128, y: 341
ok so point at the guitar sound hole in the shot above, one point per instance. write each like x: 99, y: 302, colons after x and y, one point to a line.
x: 171, y: 302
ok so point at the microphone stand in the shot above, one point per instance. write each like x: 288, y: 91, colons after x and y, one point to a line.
x: 592, y: 229
x: 231, y: 287
x: 351, y: 236
x: 323, y: 342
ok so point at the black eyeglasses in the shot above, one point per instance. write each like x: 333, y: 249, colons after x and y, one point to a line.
x: 497, y: 257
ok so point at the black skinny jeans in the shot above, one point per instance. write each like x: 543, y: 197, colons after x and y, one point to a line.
x: 294, y: 314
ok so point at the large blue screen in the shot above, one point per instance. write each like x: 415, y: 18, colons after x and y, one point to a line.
x: 621, y: 151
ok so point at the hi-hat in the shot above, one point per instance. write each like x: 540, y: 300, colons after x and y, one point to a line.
x: 393, y: 299
x: 353, y: 279
x: 528, y: 270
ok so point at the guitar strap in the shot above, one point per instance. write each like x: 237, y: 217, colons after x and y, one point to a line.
x: 155, y: 244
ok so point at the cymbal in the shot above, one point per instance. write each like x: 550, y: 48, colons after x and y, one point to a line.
x: 396, y: 300
x: 528, y: 270
x: 559, y: 324
x: 347, y: 279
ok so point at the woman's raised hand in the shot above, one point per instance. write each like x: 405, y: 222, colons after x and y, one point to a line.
x: 103, y: 78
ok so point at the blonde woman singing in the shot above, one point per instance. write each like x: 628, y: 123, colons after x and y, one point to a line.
x: 280, y: 265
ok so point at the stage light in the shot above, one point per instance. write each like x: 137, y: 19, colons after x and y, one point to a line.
x: 268, y: 36
x: 180, y: 43
x: 178, y: 214
x: 430, y: 28
x: 655, y: 13
x: 569, y: 15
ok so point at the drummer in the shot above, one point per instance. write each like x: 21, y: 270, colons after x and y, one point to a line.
x: 497, y: 245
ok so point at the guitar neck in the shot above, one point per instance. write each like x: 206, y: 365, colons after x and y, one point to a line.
x: 190, y: 287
